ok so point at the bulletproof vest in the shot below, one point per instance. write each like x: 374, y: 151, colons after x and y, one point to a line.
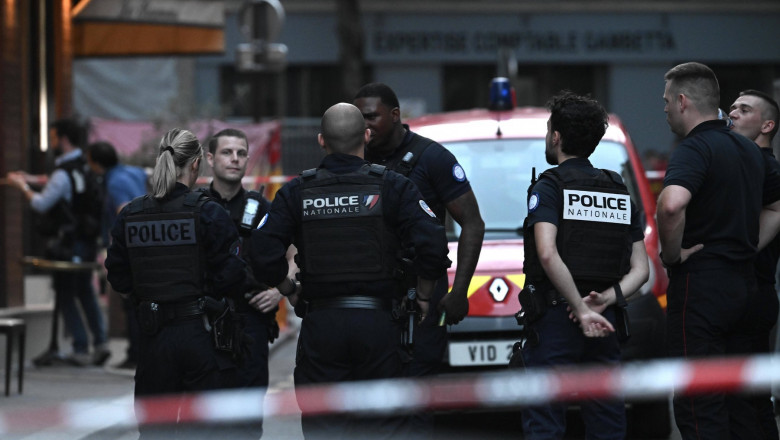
x: 342, y: 216
x: 404, y: 163
x: 593, y: 237
x: 162, y: 240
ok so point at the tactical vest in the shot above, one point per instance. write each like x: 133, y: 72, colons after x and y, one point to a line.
x: 163, y: 246
x: 343, y: 236
x: 593, y: 237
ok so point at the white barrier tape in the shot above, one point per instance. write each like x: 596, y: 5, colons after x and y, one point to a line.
x: 509, y: 388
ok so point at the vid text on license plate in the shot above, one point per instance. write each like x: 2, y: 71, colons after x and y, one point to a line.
x: 480, y: 353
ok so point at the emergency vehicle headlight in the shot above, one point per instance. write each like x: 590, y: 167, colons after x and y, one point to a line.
x: 502, y: 95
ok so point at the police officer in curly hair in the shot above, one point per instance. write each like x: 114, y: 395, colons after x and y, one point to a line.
x: 584, y: 253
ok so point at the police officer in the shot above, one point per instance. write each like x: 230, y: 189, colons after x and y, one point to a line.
x: 348, y: 219
x: 708, y: 221
x: 228, y: 156
x: 584, y: 251
x: 754, y: 114
x: 445, y: 188
x: 168, y: 249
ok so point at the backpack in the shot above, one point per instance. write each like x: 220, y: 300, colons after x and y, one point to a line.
x: 81, y: 218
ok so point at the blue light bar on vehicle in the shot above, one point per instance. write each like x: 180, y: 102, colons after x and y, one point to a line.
x: 502, y: 95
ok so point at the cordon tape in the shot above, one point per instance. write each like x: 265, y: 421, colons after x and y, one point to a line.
x: 647, y: 380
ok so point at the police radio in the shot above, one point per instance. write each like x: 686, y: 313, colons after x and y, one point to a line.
x: 250, y: 218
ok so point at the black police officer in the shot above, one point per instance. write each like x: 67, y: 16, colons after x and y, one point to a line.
x: 348, y: 219
x: 228, y: 155
x: 583, y: 248
x: 168, y: 248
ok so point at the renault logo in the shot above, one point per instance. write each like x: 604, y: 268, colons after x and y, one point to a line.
x: 499, y: 289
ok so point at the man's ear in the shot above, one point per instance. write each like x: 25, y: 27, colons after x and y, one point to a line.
x: 396, y: 112
x: 320, y: 140
x: 367, y: 135
x: 767, y: 126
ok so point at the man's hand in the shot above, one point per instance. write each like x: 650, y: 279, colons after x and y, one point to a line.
x: 593, y: 324
x: 267, y: 300
x: 598, y: 301
x: 455, y: 305
x: 424, y: 307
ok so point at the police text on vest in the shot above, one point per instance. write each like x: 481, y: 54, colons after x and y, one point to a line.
x: 595, y: 206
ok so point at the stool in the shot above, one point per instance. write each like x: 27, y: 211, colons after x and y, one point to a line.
x: 13, y: 328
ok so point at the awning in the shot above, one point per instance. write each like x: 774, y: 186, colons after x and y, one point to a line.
x: 142, y: 27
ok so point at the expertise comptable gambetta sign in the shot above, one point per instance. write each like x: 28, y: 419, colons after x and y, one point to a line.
x: 637, y: 41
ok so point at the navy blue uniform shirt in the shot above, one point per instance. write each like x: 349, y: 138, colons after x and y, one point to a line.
x: 729, y: 182
x: 402, y: 214
x: 216, y: 234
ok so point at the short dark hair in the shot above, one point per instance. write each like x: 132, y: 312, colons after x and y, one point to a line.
x: 70, y: 129
x: 580, y: 120
x: 103, y: 153
x: 381, y: 91
x: 772, y: 109
x: 227, y: 132
x: 698, y: 82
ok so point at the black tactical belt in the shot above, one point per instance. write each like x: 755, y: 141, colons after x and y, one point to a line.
x: 172, y: 311
x: 350, y: 302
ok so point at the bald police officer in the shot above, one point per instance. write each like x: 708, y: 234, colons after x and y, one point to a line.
x: 348, y: 219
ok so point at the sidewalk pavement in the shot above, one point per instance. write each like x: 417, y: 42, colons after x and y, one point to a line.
x: 38, y: 408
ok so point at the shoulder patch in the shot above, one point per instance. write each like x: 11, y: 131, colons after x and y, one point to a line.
x: 533, y: 202
x: 427, y: 209
x: 458, y: 173
x: 262, y: 221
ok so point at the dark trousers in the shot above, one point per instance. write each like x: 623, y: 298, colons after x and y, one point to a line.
x: 346, y: 345
x: 763, y: 316
x: 253, y: 371
x: 428, y: 351
x: 562, y: 343
x: 709, y: 313
x: 179, y: 358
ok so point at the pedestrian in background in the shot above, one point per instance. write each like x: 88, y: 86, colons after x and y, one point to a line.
x: 754, y: 114
x: 708, y: 218
x: 174, y: 252
x: 582, y: 277
x: 443, y: 184
x: 63, y: 204
x: 348, y: 219
x: 122, y: 183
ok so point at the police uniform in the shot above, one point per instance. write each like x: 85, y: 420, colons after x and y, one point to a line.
x: 440, y: 179
x: 347, y: 219
x: 765, y: 308
x: 246, y: 209
x: 708, y: 312
x: 597, y: 226
x: 166, y: 254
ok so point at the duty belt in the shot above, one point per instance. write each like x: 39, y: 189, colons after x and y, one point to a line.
x: 350, y: 302
x: 172, y: 311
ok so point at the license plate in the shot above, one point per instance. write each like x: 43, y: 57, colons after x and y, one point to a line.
x: 464, y: 354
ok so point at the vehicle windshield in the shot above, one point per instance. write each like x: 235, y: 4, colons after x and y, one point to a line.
x: 500, y: 171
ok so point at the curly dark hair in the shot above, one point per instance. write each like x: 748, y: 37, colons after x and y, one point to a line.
x: 580, y: 120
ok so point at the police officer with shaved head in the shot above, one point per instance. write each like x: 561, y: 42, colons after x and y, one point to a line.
x: 349, y: 221
x: 584, y: 253
x: 169, y: 250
